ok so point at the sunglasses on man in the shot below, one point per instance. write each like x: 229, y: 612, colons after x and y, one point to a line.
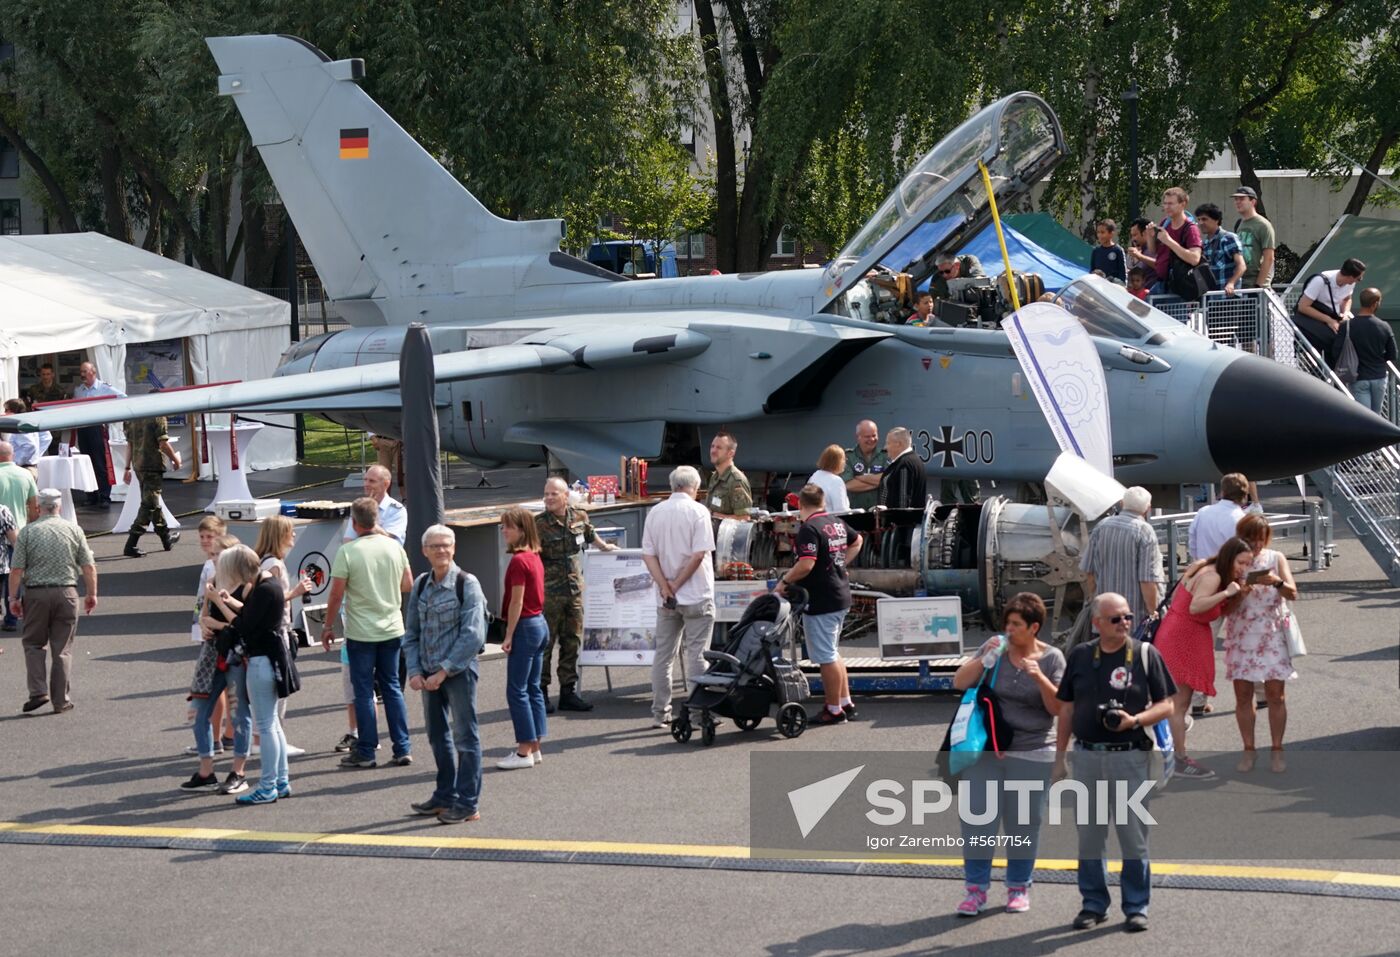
x: 1119, y: 619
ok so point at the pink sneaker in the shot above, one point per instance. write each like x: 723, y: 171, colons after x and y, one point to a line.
x: 973, y: 904
x: 1018, y: 900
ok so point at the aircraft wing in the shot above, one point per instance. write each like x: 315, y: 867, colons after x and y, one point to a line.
x: 605, y: 348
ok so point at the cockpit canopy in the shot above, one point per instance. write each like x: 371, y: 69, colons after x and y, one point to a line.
x: 942, y: 201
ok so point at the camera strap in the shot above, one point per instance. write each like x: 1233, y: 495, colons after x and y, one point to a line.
x: 1128, y: 664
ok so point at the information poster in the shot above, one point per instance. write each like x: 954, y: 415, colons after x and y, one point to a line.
x: 731, y: 598
x: 919, y: 627
x: 619, y: 609
x: 156, y: 365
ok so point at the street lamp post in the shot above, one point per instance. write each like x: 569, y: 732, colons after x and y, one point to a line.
x: 1130, y: 96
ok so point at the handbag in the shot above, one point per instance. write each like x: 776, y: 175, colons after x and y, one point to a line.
x: 1348, y: 365
x: 1146, y: 631
x: 978, y: 726
x: 1296, y: 648
x: 1163, y: 746
x: 285, y: 673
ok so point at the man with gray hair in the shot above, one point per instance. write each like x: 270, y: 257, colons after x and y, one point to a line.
x: 444, y: 633
x: 954, y: 267
x: 1123, y: 556
x: 902, y: 484
x: 677, y: 540
x: 51, y: 553
x: 393, y: 517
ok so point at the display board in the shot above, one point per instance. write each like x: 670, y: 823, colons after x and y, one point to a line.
x: 911, y: 628
x: 619, y: 609
x: 156, y: 365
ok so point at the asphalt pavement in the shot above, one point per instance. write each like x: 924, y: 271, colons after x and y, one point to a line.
x: 116, y: 760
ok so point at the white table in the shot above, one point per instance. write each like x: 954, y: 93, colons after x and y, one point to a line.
x: 130, y: 495
x: 233, y: 482
x: 67, y: 473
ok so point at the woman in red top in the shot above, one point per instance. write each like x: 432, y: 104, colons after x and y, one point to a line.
x: 1210, y: 588
x: 526, y: 636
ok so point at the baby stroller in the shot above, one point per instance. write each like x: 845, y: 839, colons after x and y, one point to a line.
x: 750, y: 677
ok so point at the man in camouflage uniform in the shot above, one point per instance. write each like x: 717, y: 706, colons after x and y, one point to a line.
x: 865, y: 463
x: 729, y: 494
x: 564, y: 531
x: 47, y: 389
x: 148, y: 441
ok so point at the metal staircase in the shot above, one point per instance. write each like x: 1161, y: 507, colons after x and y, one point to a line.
x: 1364, y: 491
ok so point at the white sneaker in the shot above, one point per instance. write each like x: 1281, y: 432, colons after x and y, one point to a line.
x: 662, y: 722
x: 293, y: 751
x: 537, y: 757
x: 515, y: 760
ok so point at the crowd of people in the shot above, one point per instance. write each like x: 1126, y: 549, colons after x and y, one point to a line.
x: 1142, y: 668
x: 427, y: 633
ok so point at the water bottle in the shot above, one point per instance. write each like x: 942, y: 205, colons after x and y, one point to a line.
x: 996, y: 646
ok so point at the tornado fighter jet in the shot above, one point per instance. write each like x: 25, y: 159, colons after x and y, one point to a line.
x: 542, y: 357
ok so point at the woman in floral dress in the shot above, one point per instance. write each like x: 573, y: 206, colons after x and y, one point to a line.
x: 1256, y: 642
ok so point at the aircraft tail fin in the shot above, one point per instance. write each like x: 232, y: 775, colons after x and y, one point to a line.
x: 379, y: 216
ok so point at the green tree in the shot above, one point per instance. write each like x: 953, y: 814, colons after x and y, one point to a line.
x: 660, y: 198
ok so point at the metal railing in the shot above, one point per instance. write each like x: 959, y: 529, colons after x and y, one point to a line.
x: 1366, y: 489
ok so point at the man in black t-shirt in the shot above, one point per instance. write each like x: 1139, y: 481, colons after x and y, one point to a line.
x: 1112, y: 743
x: 825, y: 546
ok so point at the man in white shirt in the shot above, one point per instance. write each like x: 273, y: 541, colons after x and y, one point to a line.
x: 1325, y: 303
x: 1212, y: 527
x: 1215, y: 524
x: 92, y: 439
x: 28, y: 446
x: 677, y: 540
x: 393, y: 517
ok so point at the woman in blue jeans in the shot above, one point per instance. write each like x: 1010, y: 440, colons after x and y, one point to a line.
x: 1025, y: 673
x: 526, y: 636
x: 254, y: 609
x: 210, y: 682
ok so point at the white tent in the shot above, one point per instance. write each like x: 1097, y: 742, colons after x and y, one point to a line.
x: 85, y: 291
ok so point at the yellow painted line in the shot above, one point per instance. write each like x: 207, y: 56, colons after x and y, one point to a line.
x: 721, y: 851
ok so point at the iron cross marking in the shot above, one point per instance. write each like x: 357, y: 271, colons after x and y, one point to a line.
x: 945, y: 445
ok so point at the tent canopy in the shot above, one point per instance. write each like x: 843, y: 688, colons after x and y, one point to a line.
x: 1376, y: 242
x: 1026, y: 255
x: 87, y: 292
x: 1047, y: 232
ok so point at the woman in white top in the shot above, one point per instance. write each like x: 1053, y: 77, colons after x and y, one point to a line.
x: 276, y: 535
x: 828, y: 478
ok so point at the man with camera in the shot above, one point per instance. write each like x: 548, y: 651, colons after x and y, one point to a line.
x: 1113, y: 690
x: 1175, y: 240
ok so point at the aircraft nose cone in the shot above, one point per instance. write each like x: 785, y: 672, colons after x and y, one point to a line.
x: 1269, y: 421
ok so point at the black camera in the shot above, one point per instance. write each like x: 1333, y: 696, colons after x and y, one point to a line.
x: 1119, y: 714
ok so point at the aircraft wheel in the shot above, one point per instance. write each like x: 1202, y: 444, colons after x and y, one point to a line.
x: 792, y: 720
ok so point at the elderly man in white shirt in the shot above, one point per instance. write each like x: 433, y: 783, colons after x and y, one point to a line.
x: 1215, y: 524
x: 677, y: 540
x: 393, y: 517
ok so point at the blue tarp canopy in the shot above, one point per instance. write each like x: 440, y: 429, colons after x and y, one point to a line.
x: 1026, y: 255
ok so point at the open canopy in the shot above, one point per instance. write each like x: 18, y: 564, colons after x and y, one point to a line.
x: 944, y: 200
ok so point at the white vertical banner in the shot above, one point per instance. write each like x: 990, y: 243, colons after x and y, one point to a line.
x: 1063, y: 368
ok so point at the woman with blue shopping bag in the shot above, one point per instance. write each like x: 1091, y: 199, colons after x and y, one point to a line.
x: 1021, y: 674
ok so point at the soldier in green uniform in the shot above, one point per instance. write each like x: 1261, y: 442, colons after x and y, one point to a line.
x: 47, y: 389
x: 148, y: 441
x: 729, y: 494
x: 564, y: 532
x: 864, y: 465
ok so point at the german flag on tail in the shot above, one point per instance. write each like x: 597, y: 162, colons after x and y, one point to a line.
x: 354, y: 144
